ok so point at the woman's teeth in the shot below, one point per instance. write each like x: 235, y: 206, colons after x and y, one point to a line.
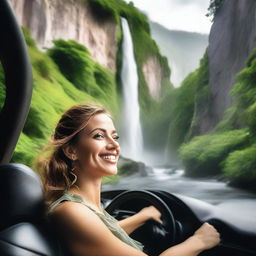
x: 109, y: 158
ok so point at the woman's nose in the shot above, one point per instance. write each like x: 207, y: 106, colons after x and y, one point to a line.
x: 113, y: 143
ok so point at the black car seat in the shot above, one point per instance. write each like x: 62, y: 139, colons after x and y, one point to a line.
x: 24, y: 229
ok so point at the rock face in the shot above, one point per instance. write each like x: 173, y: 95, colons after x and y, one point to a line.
x: 53, y: 19
x: 232, y: 38
x: 153, y: 75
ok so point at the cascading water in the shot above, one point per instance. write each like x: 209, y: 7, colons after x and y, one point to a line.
x: 131, y: 141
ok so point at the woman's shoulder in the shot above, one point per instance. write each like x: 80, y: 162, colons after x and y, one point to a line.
x: 79, y: 222
x: 66, y: 197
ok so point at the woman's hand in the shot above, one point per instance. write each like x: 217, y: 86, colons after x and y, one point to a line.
x: 131, y: 223
x: 151, y: 212
x: 206, y: 236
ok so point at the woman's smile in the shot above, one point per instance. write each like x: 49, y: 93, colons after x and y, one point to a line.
x: 110, y: 158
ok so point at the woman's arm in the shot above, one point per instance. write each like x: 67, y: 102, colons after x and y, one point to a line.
x: 129, y: 224
x: 86, y: 234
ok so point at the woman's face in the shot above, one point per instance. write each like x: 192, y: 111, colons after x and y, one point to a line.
x: 97, y: 149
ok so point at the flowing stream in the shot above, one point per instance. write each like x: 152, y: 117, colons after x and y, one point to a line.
x: 235, y: 200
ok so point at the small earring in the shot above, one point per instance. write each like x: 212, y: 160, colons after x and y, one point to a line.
x: 75, y: 179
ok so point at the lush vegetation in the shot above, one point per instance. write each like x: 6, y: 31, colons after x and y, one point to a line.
x: 49, y: 79
x: 180, y: 108
x: 204, y: 154
x: 76, y: 64
x: 240, y: 167
x: 229, y: 149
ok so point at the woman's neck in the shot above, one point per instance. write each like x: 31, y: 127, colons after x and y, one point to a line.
x: 90, y: 190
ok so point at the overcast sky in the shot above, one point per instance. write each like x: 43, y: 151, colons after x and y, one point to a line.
x: 187, y: 15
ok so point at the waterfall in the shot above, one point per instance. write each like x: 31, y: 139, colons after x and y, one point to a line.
x: 131, y: 141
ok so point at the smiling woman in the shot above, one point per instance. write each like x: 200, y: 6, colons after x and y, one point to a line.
x: 79, y: 148
x: 84, y: 149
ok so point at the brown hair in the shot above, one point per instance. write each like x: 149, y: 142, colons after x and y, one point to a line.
x: 55, y: 167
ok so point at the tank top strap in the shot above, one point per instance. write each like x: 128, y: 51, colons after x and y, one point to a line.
x: 67, y: 196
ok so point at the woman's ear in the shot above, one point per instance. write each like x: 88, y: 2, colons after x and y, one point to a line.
x: 69, y: 152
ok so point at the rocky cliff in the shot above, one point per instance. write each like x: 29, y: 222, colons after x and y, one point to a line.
x: 232, y: 38
x: 51, y: 19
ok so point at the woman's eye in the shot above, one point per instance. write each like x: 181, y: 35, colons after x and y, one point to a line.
x: 117, y: 137
x: 97, y: 135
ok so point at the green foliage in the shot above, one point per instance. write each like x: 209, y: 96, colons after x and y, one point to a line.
x: 240, y: 167
x: 201, y: 96
x: 52, y: 95
x: 186, y: 102
x: 230, y: 148
x: 244, y: 93
x: 203, y: 155
x: 103, y: 9
x: 28, y: 39
x: 230, y: 121
x: 116, y: 8
x: 75, y: 63
x: 25, y: 150
x: 214, y: 7
x: 42, y: 67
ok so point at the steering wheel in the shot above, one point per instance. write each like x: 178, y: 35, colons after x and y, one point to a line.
x: 155, y: 237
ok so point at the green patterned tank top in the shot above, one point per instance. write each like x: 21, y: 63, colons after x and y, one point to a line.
x: 107, y: 219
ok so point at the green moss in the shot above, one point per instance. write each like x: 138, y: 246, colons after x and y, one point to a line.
x: 242, y: 113
x: 28, y: 39
x: 240, y: 167
x: 203, y: 155
x: 183, y: 106
x: 25, y: 150
x: 202, y: 95
x: 76, y: 64
x: 103, y: 9
x: 244, y: 94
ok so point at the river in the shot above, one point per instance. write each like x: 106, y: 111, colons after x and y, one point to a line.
x: 209, y: 190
